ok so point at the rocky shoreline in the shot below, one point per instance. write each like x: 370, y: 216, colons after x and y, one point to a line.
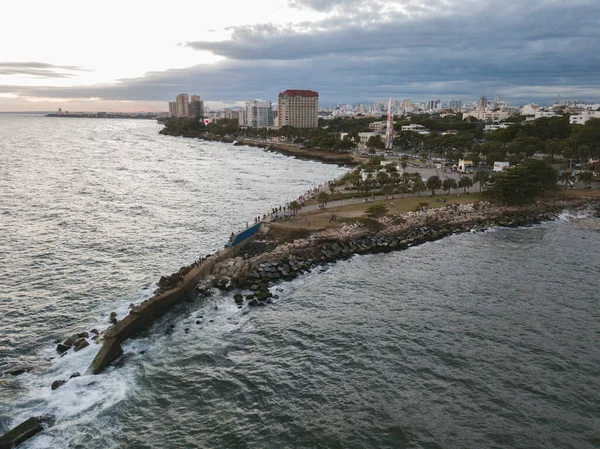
x: 313, y: 154
x: 288, y: 260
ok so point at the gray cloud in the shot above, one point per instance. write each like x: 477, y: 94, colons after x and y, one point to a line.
x: 456, y: 49
x: 38, y: 69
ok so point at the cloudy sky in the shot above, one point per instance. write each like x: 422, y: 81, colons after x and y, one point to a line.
x: 132, y: 55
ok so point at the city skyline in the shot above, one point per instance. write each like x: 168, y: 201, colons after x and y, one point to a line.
x: 348, y: 51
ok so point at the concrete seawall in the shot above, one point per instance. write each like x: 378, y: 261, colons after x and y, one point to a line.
x: 141, y: 316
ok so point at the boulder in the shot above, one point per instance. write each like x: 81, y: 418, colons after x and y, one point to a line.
x: 62, y: 348
x: 76, y: 374
x: 69, y: 341
x: 83, y: 335
x: 253, y: 302
x: 239, y: 298
x: 95, y: 332
x: 80, y: 344
x: 16, y: 370
x: 57, y: 383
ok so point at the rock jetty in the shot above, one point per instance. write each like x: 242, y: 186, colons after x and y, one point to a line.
x: 235, y: 269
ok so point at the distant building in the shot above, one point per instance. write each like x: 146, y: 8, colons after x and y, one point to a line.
x: 529, y: 109
x: 455, y: 104
x: 196, y: 107
x: 183, y: 105
x: 377, y: 126
x: 298, y: 108
x: 172, y: 108
x: 482, y: 103
x: 464, y: 165
x: 493, y: 116
x: 415, y: 128
x: 259, y: 114
x: 495, y: 127
x: 242, y: 119
x: 233, y: 114
x: 500, y: 166
x: 581, y: 119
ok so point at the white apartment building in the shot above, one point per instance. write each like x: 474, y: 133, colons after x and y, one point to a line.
x: 259, y: 114
x: 529, y: 109
x: 378, y: 126
x: 298, y: 108
x: 495, y: 127
x: 414, y: 127
x: 581, y: 119
x: 540, y: 114
x: 493, y: 116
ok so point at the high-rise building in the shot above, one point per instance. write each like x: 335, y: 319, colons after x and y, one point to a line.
x: 455, y: 104
x: 183, y: 106
x: 172, y: 108
x: 242, y: 119
x: 259, y: 114
x: 232, y: 114
x: 482, y: 103
x: 196, y: 107
x: 406, y: 105
x: 299, y: 108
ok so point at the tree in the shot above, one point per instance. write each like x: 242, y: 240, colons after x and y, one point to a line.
x: 448, y: 185
x: 376, y: 211
x: 331, y: 187
x: 465, y: 182
x: 418, y: 186
x: 355, y: 179
x: 522, y: 184
x: 387, y: 190
x: 294, y: 206
x: 481, y: 177
x: 382, y: 178
x: 404, y: 162
x: 323, y: 198
x: 368, y: 183
x: 433, y: 183
x: 586, y: 177
x: 402, y: 189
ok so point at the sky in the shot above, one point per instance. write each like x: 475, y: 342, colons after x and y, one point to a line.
x: 132, y: 55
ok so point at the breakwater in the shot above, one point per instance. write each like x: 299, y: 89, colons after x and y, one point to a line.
x: 261, y: 261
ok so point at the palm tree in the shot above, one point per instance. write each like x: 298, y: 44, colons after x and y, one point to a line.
x: 404, y: 162
x: 481, y: 177
x: 434, y: 182
x: 294, y: 206
x: 448, y: 185
x: 418, y: 186
x: 465, y: 182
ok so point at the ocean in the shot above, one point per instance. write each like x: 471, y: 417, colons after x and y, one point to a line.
x: 475, y: 340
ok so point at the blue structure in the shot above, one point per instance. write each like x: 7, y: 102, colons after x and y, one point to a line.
x: 245, y: 234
